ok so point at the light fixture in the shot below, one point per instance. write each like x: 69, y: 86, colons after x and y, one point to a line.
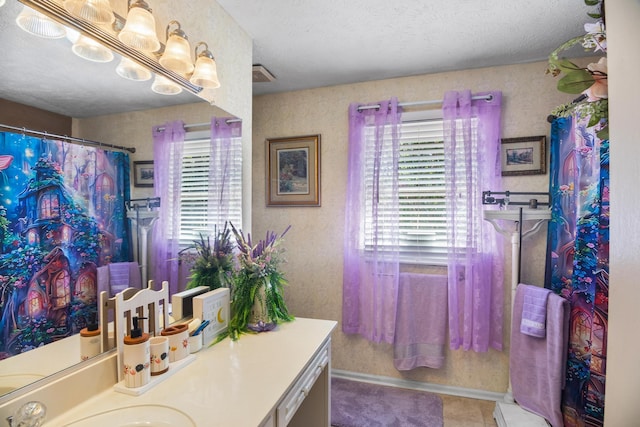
x: 96, y: 11
x: 206, y: 72
x: 91, y: 50
x: 132, y: 71
x: 164, y: 86
x: 36, y: 23
x: 108, y: 37
x: 177, y: 53
x: 139, y: 32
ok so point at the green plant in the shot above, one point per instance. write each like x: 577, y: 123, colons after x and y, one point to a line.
x: 590, y: 81
x: 212, y: 265
x: 257, y: 281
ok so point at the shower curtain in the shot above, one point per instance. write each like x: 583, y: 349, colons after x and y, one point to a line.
x: 62, y: 215
x: 577, y: 269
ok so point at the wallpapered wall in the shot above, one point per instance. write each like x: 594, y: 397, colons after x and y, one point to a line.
x: 315, y: 245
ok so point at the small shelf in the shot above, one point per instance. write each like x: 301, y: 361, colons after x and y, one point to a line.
x: 173, y: 368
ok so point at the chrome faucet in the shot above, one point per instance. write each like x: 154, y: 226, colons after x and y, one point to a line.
x: 31, y: 414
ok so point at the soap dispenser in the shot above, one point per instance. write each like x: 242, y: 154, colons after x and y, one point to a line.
x: 136, y: 357
x: 90, y: 340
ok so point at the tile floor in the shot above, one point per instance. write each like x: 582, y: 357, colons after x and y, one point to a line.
x: 465, y: 412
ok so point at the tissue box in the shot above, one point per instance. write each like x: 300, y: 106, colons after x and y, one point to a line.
x: 182, y: 302
x: 214, y: 307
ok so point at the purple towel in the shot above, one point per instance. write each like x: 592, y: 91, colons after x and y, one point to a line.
x: 123, y: 275
x: 534, y: 311
x: 537, y: 365
x: 421, y: 321
x: 103, y: 280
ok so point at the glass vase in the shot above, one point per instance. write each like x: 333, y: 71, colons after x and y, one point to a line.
x: 259, y: 320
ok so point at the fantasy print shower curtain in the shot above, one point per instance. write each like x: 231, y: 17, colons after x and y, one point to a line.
x: 578, y: 266
x: 61, y: 216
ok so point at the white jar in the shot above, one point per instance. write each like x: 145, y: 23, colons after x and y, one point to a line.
x: 89, y: 343
x: 136, y: 357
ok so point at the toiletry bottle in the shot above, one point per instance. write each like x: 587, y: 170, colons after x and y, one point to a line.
x: 136, y: 356
x: 89, y: 341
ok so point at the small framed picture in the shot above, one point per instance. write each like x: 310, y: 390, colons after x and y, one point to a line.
x: 524, y: 156
x: 143, y: 173
x: 293, y: 171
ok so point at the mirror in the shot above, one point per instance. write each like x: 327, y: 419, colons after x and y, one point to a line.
x: 72, y: 84
x: 46, y: 74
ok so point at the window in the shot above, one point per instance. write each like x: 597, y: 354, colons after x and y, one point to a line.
x: 421, y: 190
x: 203, y: 207
x: 49, y: 205
x: 423, y: 233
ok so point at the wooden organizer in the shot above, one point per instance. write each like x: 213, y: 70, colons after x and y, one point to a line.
x: 107, y: 310
x: 149, y: 306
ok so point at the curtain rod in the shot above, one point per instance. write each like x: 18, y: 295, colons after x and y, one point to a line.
x: 430, y: 102
x: 199, y: 125
x: 67, y: 138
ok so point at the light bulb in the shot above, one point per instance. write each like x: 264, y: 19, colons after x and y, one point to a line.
x: 139, y: 32
x: 93, y: 51
x: 206, y: 73
x: 177, y: 53
x: 34, y: 22
x: 132, y: 71
x: 96, y: 11
x: 164, y: 86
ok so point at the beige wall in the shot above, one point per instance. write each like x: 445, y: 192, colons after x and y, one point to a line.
x: 623, y: 376
x: 315, y: 241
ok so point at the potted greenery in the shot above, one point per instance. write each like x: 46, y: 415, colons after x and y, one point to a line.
x: 257, y: 298
x: 212, y: 264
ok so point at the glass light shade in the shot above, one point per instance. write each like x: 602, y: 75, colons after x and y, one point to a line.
x: 91, y: 50
x: 96, y: 11
x: 139, y: 32
x: 36, y: 23
x: 163, y: 86
x: 177, y: 55
x: 206, y: 73
x: 132, y: 71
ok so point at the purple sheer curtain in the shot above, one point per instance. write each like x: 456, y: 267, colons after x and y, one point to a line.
x: 168, y: 144
x: 371, y: 268
x: 475, y: 252
x: 225, y: 155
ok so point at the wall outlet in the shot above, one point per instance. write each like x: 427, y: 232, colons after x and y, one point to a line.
x: 214, y: 307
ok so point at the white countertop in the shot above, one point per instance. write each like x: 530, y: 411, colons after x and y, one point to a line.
x: 230, y: 384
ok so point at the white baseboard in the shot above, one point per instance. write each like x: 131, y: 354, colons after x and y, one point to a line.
x: 419, y: 385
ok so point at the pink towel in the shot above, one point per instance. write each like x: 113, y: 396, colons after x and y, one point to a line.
x: 538, y: 365
x: 534, y: 311
x: 421, y: 321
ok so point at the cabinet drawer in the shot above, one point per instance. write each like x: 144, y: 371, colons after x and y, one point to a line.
x: 292, y: 400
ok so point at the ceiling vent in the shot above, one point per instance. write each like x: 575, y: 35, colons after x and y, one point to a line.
x: 261, y: 74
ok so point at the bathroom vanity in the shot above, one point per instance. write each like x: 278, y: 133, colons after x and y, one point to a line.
x: 273, y: 379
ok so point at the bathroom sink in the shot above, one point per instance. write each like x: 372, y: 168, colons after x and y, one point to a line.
x: 137, y: 416
x: 514, y: 214
x: 9, y: 383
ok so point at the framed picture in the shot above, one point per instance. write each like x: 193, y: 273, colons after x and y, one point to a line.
x: 293, y: 171
x: 143, y: 173
x: 524, y: 156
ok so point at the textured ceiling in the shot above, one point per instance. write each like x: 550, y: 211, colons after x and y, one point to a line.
x: 305, y: 44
